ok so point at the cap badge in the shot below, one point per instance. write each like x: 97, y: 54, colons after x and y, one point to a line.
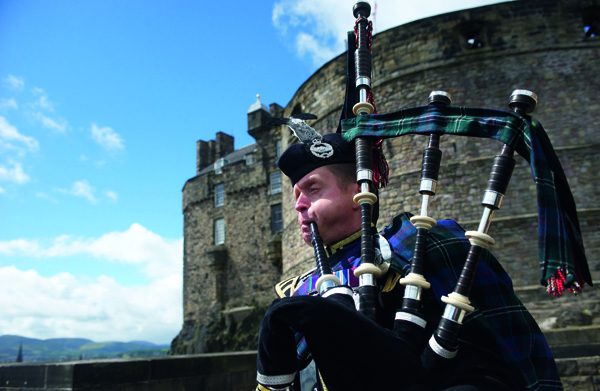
x: 321, y: 149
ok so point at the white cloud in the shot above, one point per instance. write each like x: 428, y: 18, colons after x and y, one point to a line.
x: 2, y: 191
x: 58, y: 125
x: 45, y: 196
x: 41, y: 109
x: 64, y: 305
x: 112, y: 195
x: 309, y: 45
x: 14, y: 173
x: 6, y: 104
x: 42, y: 99
x: 14, y: 82
x: 83, y: 189
x: 10, y: 134
x: 137, y: 245
x: 107, y: 137
x: 324, y: 23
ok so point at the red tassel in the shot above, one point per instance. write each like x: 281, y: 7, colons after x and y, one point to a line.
x: 556, y: 283
x: 381, y: 170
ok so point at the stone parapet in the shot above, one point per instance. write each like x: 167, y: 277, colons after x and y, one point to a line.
x: 207, y: 372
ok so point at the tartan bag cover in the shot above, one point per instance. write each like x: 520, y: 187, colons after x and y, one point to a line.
x: 561, y: 252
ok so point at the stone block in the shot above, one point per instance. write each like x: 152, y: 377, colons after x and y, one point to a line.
x: 17, y: 376
x: 567, y: 367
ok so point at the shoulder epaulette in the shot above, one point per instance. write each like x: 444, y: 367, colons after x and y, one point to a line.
x: 285, y: 288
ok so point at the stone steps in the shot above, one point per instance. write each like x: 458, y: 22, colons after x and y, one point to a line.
x: 580, y: 374
x: 571, y: 325
x: 561, y: 312
x: 573, y: 342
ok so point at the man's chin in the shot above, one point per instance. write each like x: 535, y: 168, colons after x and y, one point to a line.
x: 307, y: 238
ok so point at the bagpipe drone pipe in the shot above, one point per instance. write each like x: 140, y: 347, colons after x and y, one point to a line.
x: 356, y: 350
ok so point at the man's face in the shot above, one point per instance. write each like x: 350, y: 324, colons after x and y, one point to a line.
x: 320, y: 200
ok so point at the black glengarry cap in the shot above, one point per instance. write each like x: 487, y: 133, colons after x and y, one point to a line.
x: 301, y: 158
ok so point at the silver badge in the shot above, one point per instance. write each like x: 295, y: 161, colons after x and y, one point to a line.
x: 321, y: 149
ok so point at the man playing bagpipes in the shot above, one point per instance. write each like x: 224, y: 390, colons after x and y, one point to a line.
x: 501, y: 346
x: 436, y: 310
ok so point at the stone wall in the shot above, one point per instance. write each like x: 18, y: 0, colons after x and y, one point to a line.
x: 208, y: 372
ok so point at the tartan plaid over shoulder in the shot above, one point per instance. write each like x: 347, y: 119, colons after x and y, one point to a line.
x: 499, y: 317
x: 561, y: 253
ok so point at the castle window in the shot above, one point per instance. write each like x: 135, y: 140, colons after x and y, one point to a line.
x: 220, y: 195
x: 249, y: 159
x: 591, y: 21
x: 279, y: 148
x: 219, y: 231
x: 471, y: 33
x: 276, y: 218
x: 276, y: 182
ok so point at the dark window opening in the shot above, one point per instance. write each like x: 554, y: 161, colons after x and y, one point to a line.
x: 471, y: 33
x: 591, y: 21
x: 591, y: 30
x: 276, y: 218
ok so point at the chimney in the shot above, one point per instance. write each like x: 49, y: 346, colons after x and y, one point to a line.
x: 207, y: 152
x: 224, y: 145
x: 202, y: 155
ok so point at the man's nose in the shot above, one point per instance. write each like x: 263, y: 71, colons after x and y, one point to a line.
x: 302, y: 203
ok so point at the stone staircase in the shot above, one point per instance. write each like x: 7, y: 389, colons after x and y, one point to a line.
x: 580, y: 374
x: 571, y: 325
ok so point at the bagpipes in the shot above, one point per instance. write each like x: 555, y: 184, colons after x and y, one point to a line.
x: 352, y: 349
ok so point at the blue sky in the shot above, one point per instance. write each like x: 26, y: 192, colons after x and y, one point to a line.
x: 101, y: 105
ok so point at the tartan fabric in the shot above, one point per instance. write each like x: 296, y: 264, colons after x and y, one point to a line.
x: 499, y: 314
x: 342, y: 270
x: 559, y: 235
x: 499, y: 317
